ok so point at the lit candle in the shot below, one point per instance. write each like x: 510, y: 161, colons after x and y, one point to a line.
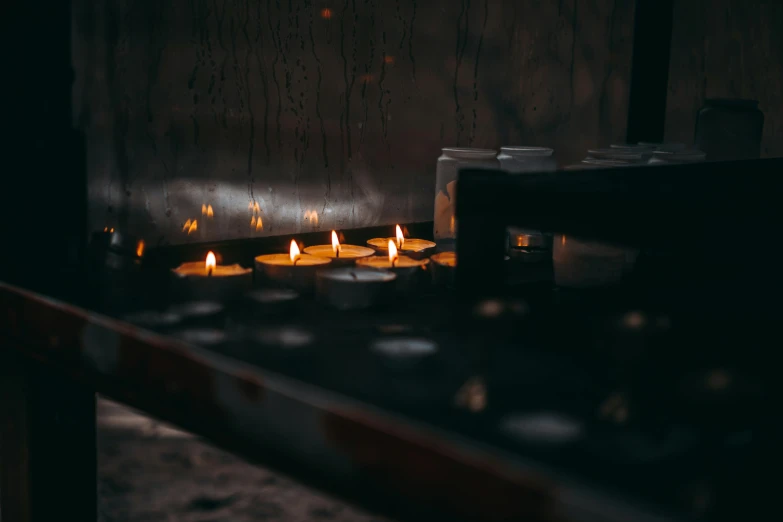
x: 414, y: 248
x: 207, y: 280
x: 293, y: 270
x: 410, y: 272
x: 338, y: 253
x: 355, y: 287
x: 444, y: 266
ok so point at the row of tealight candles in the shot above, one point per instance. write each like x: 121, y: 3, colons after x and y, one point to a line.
x: 344, y: 276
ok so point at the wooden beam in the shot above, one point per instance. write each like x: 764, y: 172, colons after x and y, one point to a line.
x: 48, y: 464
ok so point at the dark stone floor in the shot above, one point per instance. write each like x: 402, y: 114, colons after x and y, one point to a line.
x: 150, y: 472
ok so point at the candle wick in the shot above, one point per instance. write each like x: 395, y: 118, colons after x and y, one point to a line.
x: 296, y: 259
x: 394, y: 261
x: 209, y: 271
x: 337, y: 251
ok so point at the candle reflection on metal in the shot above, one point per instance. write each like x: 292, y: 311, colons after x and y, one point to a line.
x: 312, y: 217
x: 256, y: 223
x: 190, y: 226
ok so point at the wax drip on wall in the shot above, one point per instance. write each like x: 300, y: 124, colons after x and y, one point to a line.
x: 410, y: 43
x: 254, y: 47
x: 476, y: 73
x: 275, y: 38
x: 368, y: 77
x: 462, y: 41
x: 319, y: 72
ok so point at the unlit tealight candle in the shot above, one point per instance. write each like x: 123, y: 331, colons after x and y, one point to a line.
x: 404, y: 353
x: 355, y: 288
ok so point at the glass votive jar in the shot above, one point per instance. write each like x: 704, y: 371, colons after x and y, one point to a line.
x: 527, y: 160
x: 449, y: 164
x: 729, y: 129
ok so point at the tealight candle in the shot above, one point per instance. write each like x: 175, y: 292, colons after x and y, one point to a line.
x: 413, y: 248
x: 154, y: 320
x: 269, y: 302
x: 340, y: 254
x: 444, y: 266
x: 200, y: 313
x: 405, y: 353
x: 409, y: 271
x: 210, y: 281
x: 293, y: 270
x: 355, y: 288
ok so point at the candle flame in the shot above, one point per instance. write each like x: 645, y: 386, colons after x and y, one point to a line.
x: 400, y: 237
x: 392, y: 251
x: 294, y: 251
x: 211, y: 261
x: 335, y: 242
x: 140, y: 248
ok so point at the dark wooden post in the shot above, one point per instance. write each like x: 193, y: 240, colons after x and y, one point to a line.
x: 47, y: 444
x: 652, y: 36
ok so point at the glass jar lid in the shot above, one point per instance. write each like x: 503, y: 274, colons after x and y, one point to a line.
x: 523, y: 151
x: 469, y: 153
x: 683, y: 156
